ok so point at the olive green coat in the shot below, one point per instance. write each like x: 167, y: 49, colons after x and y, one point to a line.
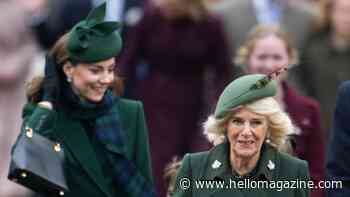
x: 82, y: 169
x: 214, y: 165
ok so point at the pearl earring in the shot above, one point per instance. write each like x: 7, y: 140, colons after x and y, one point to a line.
x: 69, y: 79
x: 268, y: 138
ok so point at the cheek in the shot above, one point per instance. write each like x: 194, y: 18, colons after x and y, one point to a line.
x: 82, y: 81
x: 261, y: 135
x: 253, y: 65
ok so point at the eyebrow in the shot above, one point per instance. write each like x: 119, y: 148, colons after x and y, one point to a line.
x: 99, y: 66
x: 239, y: 117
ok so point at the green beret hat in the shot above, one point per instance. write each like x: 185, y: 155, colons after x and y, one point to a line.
x: 93, y: 39
x: 244, y: 90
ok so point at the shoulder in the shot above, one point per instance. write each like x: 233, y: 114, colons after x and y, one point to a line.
x: 131, y: 114
x: 305, y: 104
x: 344, y: 88
x: 342, y: 108
x: 309, y: 103
x: 129, y: 107
x: 291, y: 166
x: 192, y: 164
x: 196, y: 159
x: 343, y: 95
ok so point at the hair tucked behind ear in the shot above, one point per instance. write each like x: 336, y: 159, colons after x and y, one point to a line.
x: 60, y: 56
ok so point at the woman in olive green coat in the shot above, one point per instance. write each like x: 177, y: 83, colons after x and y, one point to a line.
x: 104, y: 137
x: 248, y: 130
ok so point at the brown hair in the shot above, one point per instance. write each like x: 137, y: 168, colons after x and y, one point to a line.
x: 60, y: 54
x: 261, y: 31
x: 323, y: 21
x: 170, y: 174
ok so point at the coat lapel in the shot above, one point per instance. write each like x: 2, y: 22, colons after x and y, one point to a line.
x: 78, y: 144
x: 218, y: 168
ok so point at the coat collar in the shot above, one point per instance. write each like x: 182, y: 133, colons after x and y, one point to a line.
x: 219, y: 166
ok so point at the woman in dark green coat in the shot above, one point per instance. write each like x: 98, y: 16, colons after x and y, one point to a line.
x: 249, y: 131
x: 104, y: 137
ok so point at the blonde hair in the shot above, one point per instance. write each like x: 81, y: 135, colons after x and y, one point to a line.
x: 279, y: 123
x: 262, y: 31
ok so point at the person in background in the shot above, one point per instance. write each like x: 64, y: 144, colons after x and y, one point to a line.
x: 170, y: 173
x: 165, y: 62
x: 17, y: 51
x: 55, y: 18
x: 326, y: 57
x: 266, y: 49
x: 248, y: 129
x: 104, y: 136
x: 240, y: 16
x: 338, y: 158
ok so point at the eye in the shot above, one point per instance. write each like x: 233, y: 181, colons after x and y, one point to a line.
x: 237, y: 121
x: 94, y: 70
x: 277, y: 57
x: 262, y: 57
x: 256, y: 123
x: 111, y: 70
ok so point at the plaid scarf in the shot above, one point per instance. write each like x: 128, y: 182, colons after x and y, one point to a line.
x: 108, y: 130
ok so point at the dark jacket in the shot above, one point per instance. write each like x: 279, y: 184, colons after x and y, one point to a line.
x: 338, y: 155
x: 83, y: 171
x: 201, y: 166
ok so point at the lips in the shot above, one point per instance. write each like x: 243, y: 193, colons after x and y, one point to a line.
x: 99, y: 90
x: 245, y: 142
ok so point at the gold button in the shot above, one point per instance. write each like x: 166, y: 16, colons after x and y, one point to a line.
x: 24, y: 175
x: 29, y: 132
x: 57, y: 147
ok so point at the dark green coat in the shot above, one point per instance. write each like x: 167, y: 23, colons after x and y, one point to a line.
x: 82, y: 169
x: 215, y: 165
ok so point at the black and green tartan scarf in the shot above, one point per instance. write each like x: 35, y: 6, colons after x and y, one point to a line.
x: 108, y: 130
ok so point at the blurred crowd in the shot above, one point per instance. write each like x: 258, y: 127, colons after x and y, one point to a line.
x: 177, y: 57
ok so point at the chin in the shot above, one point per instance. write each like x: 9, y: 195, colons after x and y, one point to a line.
x: 95, y: 99
x: 249, y: 152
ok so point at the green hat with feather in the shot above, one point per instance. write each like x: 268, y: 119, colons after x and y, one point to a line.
x: 244, y: 90
x: 94, y: 39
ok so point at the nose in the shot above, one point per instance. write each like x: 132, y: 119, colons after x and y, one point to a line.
x: 107, y: 78
x: 246, y: 130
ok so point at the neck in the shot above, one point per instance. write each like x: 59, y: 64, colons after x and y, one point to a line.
x: 243, y: 165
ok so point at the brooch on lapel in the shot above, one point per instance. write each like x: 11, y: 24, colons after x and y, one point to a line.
x: 271, y: 165
x: 216, y: 164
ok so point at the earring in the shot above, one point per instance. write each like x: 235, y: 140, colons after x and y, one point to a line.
x: 268, y: 138
x: 69, y: 79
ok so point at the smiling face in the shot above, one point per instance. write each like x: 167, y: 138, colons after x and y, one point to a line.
x: 90, y: 81
x: 246, y: 132
x: 269, y: 53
